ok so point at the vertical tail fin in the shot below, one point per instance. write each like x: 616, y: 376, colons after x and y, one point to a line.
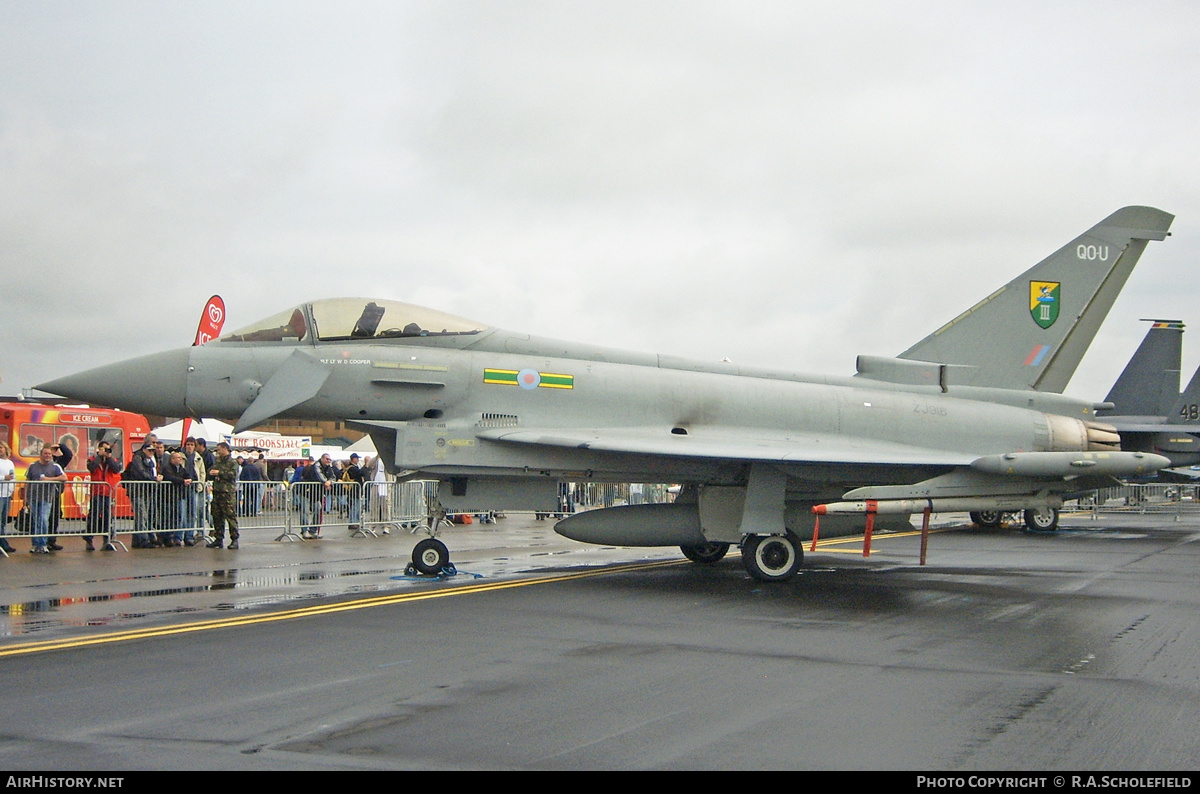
x: 1032, y: 332
x: 1149, y: 384
x: 1185, y: 409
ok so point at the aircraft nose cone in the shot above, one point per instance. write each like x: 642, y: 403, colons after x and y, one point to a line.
x: 154, y: 384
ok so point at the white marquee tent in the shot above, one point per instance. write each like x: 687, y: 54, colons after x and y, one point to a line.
x: 214, y: 430
x: 211, y: 430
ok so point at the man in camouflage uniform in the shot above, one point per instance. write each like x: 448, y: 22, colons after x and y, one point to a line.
x: 223, y: 475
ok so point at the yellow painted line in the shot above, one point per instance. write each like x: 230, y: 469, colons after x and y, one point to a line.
x: 826, y: 545
x: 312, y: 611
x: 384, y: 600
x: 821, y: 544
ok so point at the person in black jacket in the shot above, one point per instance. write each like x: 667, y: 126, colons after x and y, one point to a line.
x: 140, y: 472
x: 180, y: 474
x: 353, y: 478
x: 317, y: 482
x: 64, y: 453
x: 250, y: 485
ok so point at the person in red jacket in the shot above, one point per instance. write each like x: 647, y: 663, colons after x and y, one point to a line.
x: 105, y: 473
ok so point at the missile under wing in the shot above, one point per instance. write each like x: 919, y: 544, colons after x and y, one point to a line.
x: 500, y: 418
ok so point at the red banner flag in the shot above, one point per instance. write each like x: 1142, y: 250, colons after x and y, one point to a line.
x: 211, y: 321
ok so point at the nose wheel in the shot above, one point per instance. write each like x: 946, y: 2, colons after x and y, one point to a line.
x: 430, y: 556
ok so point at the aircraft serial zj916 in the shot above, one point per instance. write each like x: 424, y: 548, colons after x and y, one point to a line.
x: 969, y: 419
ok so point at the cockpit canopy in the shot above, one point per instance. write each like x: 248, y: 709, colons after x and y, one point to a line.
x: 340, y: 319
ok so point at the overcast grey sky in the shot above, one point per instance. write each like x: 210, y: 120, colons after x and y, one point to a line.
x: 782, y: 183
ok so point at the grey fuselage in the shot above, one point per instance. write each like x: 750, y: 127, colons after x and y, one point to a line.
x: 436, y: 387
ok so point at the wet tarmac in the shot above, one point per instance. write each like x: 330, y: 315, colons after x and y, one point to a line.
x: 1010, y: 650
x: 52, y: 595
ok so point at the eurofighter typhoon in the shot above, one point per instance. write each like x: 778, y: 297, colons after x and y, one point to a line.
x: 969, y: 419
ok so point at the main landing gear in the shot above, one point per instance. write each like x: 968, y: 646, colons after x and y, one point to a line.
x: 705, y: 553
x: 988, y: 519
x: 772, y: 558
x: 1044, y: 519
x: 768, y: 558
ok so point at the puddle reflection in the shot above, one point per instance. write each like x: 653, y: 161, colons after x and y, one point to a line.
x: 88, y: 608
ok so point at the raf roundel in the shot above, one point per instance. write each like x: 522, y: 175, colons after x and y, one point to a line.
x: 529, y: 379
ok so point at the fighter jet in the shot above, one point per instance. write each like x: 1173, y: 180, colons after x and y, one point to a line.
x: 500, y: 418
x: 1148, y: 409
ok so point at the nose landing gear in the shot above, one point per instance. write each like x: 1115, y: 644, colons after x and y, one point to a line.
x: 430, y: 556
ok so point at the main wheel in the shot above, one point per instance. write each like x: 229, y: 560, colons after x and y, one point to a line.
x: 705, y: 553
x: 987, y: 519
x: 772, y: 558
x: 1042, y: 520
x: 430, y: 556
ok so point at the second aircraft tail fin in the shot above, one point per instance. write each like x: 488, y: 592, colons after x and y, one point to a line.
x: 1149, y: 384
x: 1185, y: 409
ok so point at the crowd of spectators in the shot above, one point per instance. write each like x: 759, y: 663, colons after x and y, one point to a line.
x: 182, y: 497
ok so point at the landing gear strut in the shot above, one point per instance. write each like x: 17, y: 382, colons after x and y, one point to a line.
x: 772, y: 558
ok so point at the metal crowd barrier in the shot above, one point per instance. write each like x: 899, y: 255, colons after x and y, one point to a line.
x: 364, y: 509
x: 156, y: 513
x: 611, y: 494
x: 165, y: 513
x: 1161, y: 498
